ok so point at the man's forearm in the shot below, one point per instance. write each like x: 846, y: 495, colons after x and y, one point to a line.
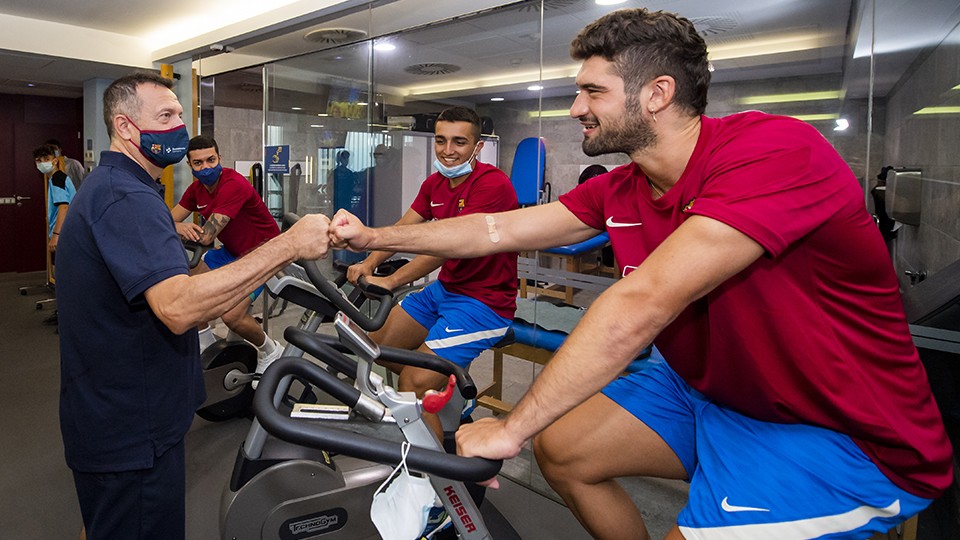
x: 456, y: 238
x: 376, y: 258
x: 196, y: 299
x: 420, y: 266
x: 61, y: 215
x: 596, y: 352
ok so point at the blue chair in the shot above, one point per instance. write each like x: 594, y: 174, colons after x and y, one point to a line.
x: 530, y: 174
x: 526, y: 174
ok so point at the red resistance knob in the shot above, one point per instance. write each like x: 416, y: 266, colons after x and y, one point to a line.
x: 433, y: 401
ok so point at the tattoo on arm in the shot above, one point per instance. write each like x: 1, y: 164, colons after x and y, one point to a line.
x: 213, y: 226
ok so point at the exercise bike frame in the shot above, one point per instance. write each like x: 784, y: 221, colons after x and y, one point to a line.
x: 371, y: 399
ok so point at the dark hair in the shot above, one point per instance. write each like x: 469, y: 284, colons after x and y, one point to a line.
x: 462, y: 114
x: 201, y: 143
x: 54, y: 142
x: 643, y: 45
x: 44, y: 150
x: 121, y: 96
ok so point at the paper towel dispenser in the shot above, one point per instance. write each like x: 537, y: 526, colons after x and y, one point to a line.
x: 904, y: 194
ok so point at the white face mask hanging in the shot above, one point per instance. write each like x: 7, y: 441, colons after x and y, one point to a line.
x: 400, y: 511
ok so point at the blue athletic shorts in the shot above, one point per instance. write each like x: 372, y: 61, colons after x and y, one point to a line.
x: 752, y: 479
x: 459, y: 327
x: 215, y: 258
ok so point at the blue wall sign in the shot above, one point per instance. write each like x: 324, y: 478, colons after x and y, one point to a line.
x: 277, y: 158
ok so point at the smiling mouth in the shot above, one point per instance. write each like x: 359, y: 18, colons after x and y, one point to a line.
x: 589, y: 124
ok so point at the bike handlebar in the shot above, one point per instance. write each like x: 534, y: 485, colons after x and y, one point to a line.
x: 322, y: 435
x: 194, y: 251
x: 320, y: 346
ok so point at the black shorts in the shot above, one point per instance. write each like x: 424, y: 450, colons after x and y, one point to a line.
x: 142, y: 504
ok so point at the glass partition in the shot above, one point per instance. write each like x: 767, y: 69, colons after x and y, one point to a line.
x: 420, y: 72
x: 915, y: 75
x: 320, y: 106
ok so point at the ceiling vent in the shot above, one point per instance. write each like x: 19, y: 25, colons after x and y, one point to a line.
x: 547, y: 5
x: 712, y: 26
x: 431, y: 68
x: 334, y: 36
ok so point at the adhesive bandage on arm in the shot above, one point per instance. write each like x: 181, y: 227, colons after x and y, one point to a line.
x: 492, y: 229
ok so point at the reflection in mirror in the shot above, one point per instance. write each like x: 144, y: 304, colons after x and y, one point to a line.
x: 910, y: 58
x: 231, y: 111
x: 421, y: 72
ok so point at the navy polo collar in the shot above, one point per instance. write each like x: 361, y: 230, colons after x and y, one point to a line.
x: 110, y: 158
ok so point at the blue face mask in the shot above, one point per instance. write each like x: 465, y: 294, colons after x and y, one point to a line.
x: 457, y: 170
x: 208, y: 177
x: 163, y: 148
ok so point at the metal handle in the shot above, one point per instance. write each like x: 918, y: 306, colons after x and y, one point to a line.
x: 21, y: 198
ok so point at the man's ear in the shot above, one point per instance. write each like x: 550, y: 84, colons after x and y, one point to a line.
x: 122, y: 126
x: 662, y: 91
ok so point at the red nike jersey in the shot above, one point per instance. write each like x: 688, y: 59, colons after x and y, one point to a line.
x: 491, y: 279
x: 814, y: 331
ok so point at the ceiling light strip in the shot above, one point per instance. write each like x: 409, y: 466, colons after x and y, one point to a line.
x: 494, y: 81
x: 938, y: 110
x: 816, y: 117
x: 791, y: 98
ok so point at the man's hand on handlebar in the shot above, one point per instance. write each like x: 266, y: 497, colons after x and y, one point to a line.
x: 383, y: 282
x: 488, y: 438
x: 189, y: 231
x: 348, y: 232
x: 356, y: 271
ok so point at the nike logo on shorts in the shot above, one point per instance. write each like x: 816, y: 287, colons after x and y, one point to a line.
x: 612, y: 223
x: 452, y: 330
x: 727, y: 507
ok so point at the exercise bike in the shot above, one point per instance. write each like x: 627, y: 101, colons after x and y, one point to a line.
x: 290, y: 485
x: 228, y: 365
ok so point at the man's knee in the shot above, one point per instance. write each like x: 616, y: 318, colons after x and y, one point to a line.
x: 551, y: 448
x: 420, y: 380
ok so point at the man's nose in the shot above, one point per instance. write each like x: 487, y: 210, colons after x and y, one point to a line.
x: 579, y: 107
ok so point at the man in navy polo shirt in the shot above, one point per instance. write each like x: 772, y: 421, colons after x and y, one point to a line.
x: 130, y: 372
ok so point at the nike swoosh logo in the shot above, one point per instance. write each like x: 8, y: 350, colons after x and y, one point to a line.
x: 612, y: 223
x: 434, y: 205
x: 727, y: 507
x: 202, y: 207
x: 451, y: 330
